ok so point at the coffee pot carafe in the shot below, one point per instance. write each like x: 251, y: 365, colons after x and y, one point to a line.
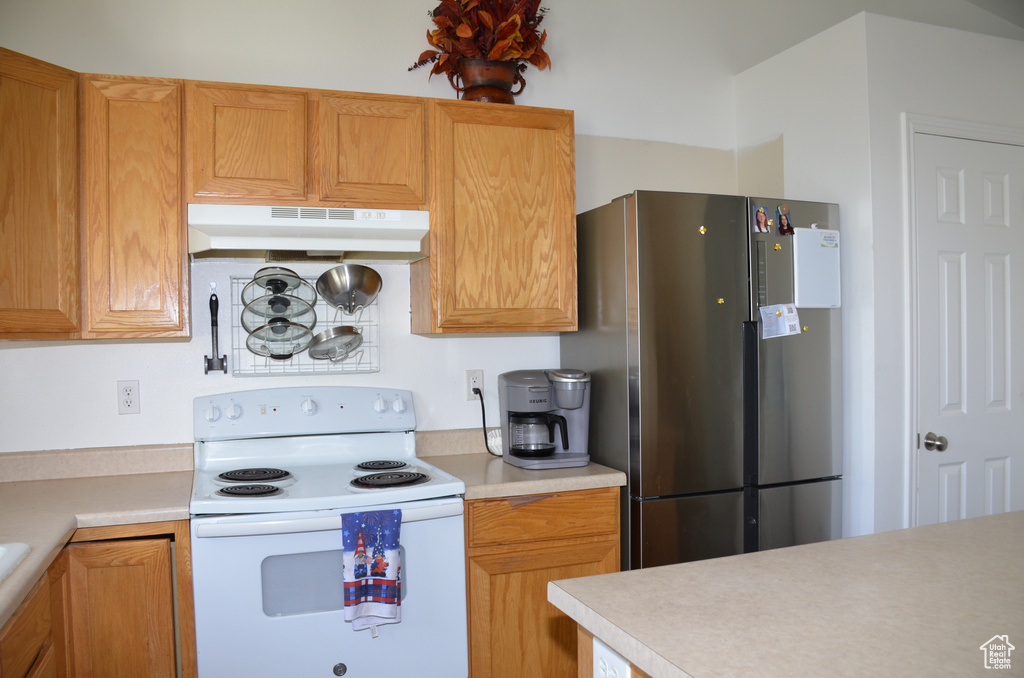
x: 545, y: 417
x: 533, y: 434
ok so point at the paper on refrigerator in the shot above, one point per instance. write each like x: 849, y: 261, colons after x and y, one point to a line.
x: 779, y: 320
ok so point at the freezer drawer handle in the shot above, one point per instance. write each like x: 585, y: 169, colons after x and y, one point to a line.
x: 316, y: 524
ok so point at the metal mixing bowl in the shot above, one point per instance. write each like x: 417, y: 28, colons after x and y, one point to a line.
x: 349, y: 287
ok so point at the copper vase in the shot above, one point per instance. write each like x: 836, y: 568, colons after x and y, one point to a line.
x: 484, y: 80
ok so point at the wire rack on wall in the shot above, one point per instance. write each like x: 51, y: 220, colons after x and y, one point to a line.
x: 365, y: 359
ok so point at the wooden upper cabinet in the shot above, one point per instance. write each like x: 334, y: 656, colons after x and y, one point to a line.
x: 370, y: 150
x: 136, y: 270
x: 502, y: 222
x: 39, y: 257
x: 245, y: 143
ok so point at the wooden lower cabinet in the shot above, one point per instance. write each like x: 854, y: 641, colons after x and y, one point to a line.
x: 124, y: 585
x: 515, y: 546
x: 26, y: 643
x: 122, y: 612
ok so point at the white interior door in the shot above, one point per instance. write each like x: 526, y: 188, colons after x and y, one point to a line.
x: 969, y: 211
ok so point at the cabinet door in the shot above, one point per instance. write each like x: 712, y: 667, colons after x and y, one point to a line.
x: 39, y: 288
x: 136, y: 267
x: 370, y: 150
x: 245, y: 142
x: 25, y: 637
x: 514, y: 631
x: 122, y: 615
x: 515, y: 546
x: 502, y: 232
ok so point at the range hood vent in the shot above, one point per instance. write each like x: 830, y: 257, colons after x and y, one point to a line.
x: 306, y: 229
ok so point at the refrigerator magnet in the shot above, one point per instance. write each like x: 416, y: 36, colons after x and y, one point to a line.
x: 761, y: 222
x: 784, y: 219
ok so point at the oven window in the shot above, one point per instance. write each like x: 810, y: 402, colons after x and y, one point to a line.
x: 302, y: 583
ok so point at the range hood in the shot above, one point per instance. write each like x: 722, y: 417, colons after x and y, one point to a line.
x: 313, y: 230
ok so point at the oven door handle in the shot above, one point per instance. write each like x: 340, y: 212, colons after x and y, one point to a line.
x: 261, y: 527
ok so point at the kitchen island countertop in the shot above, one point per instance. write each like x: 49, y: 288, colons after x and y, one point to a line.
x: 919, y: 602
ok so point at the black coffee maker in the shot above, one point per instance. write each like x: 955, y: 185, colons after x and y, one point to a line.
x: 545, y: 417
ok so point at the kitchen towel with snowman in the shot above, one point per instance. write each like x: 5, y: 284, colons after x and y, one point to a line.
x: 372, y: 568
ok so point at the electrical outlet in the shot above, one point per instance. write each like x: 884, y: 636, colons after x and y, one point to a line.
x: 608, y: 663
x: 128, y: 397
x: 474, y: 379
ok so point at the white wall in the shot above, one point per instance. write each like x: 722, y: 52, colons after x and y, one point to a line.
x: 915, y: 68
x: 619, y: 70
x: 813, y: 97
x: 844, y: 92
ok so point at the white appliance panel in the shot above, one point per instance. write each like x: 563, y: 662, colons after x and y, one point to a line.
x: 237, y: 637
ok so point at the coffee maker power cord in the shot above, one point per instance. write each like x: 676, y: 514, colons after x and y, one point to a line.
x: 483, y: 421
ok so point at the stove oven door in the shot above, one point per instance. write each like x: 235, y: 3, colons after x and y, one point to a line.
x: 269, y: 597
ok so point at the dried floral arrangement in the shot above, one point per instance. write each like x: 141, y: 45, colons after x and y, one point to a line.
x: 495, y: 30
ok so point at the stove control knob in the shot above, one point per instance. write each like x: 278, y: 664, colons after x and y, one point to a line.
x: 398, y: 405
x: 380, y: 404
x: 211, y: 413
x: 308, y: 406
x: 234, y: 411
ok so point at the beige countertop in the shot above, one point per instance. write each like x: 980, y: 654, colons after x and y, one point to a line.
x: 916, y: 602
x: 45, y: 513
x: 488, y: 476
x: 44, y: 498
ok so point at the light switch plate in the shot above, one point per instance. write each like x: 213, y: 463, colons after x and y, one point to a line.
x: 608, y: 663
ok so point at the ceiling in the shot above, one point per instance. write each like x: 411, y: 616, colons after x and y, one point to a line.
x: 778, y: 26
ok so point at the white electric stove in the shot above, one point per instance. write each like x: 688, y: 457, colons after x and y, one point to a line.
x: 274, y: 471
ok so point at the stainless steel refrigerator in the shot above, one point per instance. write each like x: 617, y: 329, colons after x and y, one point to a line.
x: 710, y: 326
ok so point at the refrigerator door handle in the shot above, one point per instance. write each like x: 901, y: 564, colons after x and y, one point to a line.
x: 751, y: 403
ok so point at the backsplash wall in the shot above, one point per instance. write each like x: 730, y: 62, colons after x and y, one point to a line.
x: 68, y: 392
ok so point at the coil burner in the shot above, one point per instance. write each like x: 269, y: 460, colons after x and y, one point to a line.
x: 253, y: 475
x: 249, y: 491
x: 381, y: 465
x: 390, y: 479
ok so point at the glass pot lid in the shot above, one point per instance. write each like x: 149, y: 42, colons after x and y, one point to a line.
x: 301, y: 289
x: 277, y: 307
x: 277, y: 279
x: 279, y: 339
